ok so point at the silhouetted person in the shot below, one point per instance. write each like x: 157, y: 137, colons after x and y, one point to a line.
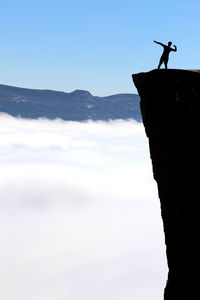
x: 165, y: 56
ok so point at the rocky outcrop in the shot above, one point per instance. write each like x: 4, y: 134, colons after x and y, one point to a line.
x: 170, y: 106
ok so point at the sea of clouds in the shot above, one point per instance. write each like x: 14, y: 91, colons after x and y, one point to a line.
x: 79, y: 212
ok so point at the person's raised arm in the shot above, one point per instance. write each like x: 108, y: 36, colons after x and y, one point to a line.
x: 175, y: 48
x: 159, y: 43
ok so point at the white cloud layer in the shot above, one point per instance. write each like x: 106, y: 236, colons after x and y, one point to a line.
x: 79, y: 212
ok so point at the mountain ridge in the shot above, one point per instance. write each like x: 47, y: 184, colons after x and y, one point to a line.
x: 78, y: 105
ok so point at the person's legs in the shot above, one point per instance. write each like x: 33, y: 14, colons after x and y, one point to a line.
x: 160, y: 62
x: 165, y: 63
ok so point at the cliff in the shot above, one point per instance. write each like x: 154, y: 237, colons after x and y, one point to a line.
x: 170, y: 106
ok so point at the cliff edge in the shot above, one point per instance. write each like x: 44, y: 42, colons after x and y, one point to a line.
x: 170, y: 106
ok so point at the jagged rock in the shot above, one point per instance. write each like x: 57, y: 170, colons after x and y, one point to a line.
x: 170, y: 105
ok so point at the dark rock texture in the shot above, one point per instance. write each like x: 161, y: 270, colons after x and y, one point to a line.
x: 76, y: 106
x: 170, y: 105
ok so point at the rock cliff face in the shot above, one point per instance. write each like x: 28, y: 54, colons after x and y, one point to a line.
x: 170, y: 106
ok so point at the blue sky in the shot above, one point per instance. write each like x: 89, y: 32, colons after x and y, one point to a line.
x: 93, y: 45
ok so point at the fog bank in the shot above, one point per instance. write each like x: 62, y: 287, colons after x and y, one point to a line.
x: 79, y: 212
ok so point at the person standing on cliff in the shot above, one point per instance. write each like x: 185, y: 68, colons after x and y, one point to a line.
x: 165, y: 56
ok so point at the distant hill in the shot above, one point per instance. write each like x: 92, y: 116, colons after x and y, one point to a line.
x: 77, y: 106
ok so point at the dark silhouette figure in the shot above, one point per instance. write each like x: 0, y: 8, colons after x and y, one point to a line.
x: 165, y: 56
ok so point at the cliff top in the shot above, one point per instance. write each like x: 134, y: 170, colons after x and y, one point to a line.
x: 194, y: 70
x: 165, y: 76
x: 168, y: 98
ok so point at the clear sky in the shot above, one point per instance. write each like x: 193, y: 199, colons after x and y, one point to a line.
x: 93, y: 45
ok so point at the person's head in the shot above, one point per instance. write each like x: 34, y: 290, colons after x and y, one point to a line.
x: 169, y: 44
